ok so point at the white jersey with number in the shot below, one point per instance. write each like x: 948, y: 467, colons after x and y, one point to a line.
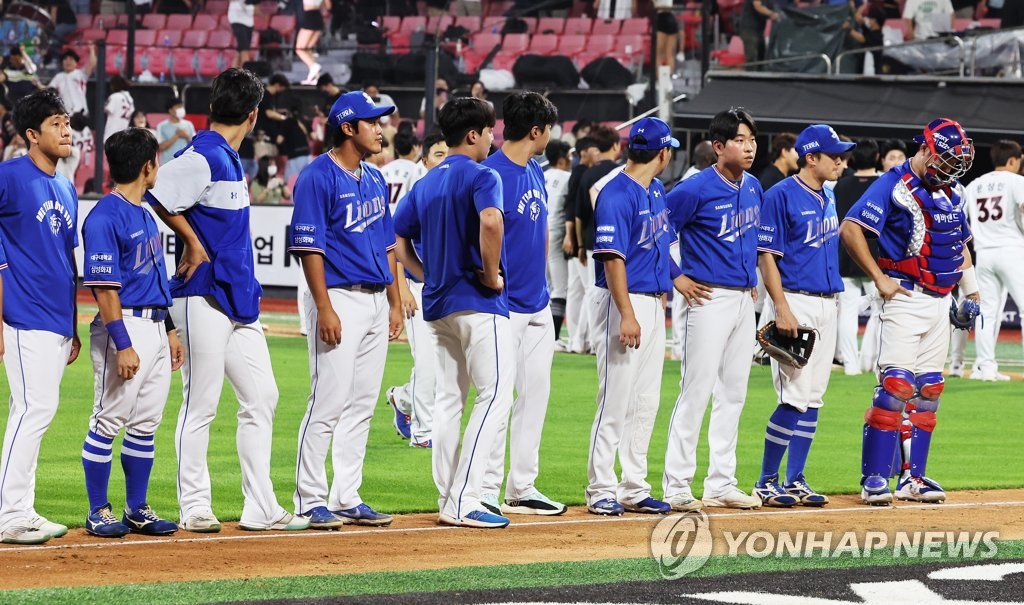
x: 120, y: 107
x: 400, y: 174
x: 994, y: 205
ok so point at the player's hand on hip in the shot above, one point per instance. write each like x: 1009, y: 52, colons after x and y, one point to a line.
x: 629, y: 333
x: 76, y: 348
x: 176, y: 349
x: 127, y: 363
x: 190, y: 261
x: 328, y: 325
x: 889, y: 287
x: 785, y: 321
x: 693, y: 293
x: 396, y: 323
x: 497, y: 284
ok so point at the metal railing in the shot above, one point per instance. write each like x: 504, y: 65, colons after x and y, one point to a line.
x: 812, y: 56
x: 957, y: 40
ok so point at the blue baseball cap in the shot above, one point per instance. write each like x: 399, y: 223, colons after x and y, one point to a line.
x: 356, y: 105
x: 821, y: 138
x: 655, y: 133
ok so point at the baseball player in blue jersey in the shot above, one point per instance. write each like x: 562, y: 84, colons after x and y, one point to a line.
x: 799, y: 260
x: 201, y: 195
x: 634, y: 272
x: 715, y: 214
x: 341, y: 229
x: 458, y: 221
x: 133, y: 351
x: 38, y: 235
x: 528, y: 121
x: 916, y: 210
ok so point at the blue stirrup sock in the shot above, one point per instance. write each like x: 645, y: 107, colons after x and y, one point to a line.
x: 96, y: 457
x: 800, y: 444
x: 777, y: 438
x: 137, y: 453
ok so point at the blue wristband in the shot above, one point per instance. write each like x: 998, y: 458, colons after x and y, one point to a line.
x: 119, y: 334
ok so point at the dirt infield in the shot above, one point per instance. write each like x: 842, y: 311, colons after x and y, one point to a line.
x: 417, y: 542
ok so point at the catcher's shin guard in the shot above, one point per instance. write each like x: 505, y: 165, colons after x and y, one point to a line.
x: 881, y: 434
x: 923, y: 419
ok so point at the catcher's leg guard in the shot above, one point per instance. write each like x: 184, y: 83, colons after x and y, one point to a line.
x: 881, y: 433
x: 922, y: 419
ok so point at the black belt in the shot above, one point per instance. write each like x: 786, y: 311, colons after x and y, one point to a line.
x: 651, y: 294
x: 909, y: 285
x: 154, y: 313
x: 364, y: 287
x: 807, y: 293
x: 720, y: 286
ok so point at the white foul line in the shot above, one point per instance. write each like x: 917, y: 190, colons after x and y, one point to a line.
x: 271, y: 535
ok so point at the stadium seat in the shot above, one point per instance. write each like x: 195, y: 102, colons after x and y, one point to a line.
x: 606, y: 27
x: 205, y: 22
x: 543, y: 45
x: 91, y: 35
x: 634, y: 48
x: 183, y: 62
x: 154, y: 21
x: 989, y: 23
x: 493, y: 24
x: 731, y: 56
x: 215, y: 7
x: 504, y: 60
x: 499, y: 8
x: 473, y: 24
x: 635, y: 26
x: 572, y: 45
x: 578, y: 26
x: 515, y: 43
x: 117, y: 37
x: 145, y: 37
x: 120, y: 21
x: 194, y: 38
x: 390, y: 23
x: 210, y: 62
x: 83, y: 21
x: 413, y: 23
x: 400, y: 42
x: 169, y: 37
x: 115, y: 60
x: 223, y: 23
x: 181, y: 22
x: 439, y: 24
x: 531, y: 24
x: 154, y: 119
x: 220, y: 38
x: 156, y: 59
x: 690, y: 23
x: 284, y: 24
x: 550, y: 25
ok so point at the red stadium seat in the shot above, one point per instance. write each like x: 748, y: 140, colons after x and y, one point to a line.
x: 484, y: 41
x: 83, y: 21
x: 989, y: 23
x: 606, y: 27
x: 493, y: 24
x: 515, y: 43
x: 531, y: 24
x: 181, y: 22
x: 499, y: 8
x: 731, y: 56
x: 578, y: 26
x: 504, y: 61
x: 154, y: 21
x: 220, y: 38
x: 183, y: 62
x: 223, y: 23
x: 169, y: 37
x: 901, y: 25
x: 145, y: 37
x: 284, y: 24
x: 194, y: 38
x: 400, y: 42
x: 117, y: 37
x: 572, y: 45
x: 635, y: 26
x: 413, y: 23
x: 554, y: 25
x: 91, y: 35
x: 390, y: 23
x: 115, y: 60
x: 544, y: 45
x: 473, y: 24
x: 205, y: 23
x: 120, y: 21
x: 211, y: 62
x: 439, y: 24
x: 156, y: 59
x: 215, y: 7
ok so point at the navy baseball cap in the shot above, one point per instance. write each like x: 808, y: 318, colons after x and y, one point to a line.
x: 821, y: 138
x: 356, y: 105
x: 655, y: 134
x: 944, y: 136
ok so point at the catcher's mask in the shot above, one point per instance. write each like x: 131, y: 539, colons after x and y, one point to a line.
x: 952, y: 152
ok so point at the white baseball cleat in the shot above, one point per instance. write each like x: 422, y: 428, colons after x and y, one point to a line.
x: 989, y: 376
x: 734, y: 498
x: 956, y: 369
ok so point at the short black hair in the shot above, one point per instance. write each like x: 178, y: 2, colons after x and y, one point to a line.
x: 171, y: 103
x: 279, y: 79
x: 864, y: 155
x: 118, y: 83
x: 523, y: 111
x: 801, y: 161
x: 585, y: 143
x: 581, y: 124
x: 462, y: 115
x: 641, y: 156
x: 605, y: 137
x: 338, y: 137
x: 891, y: 144
x: 234, y: 94
x: 726, y: 124
x: 127, y: 151
x: 556, y: 150
x: 782, y: 142
x: 324, y: 79
x: 405, y: 140
x: 70, y: 53
x: 1003, y: 151
x: 32, y: 110
x: 432, y: 139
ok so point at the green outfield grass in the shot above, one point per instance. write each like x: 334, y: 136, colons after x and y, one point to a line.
x: 579, y: 573
x: 979, y: 429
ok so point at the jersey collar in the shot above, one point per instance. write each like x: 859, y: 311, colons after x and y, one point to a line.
x: 731, y: 183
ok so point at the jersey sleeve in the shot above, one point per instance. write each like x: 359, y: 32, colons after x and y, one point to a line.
x: 102, y: 253
x: 308, y: 231
x: 181, y: 183
x: 682, y: 204
x: 407, y: 219
x: 3, y: 256
x: 872, y: 209
x: 388, y: 224
x: 487, y: 191
x: 611, y: 222
x: 771, y: 235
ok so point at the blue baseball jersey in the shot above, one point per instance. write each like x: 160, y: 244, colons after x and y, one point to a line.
x: 922, y: 233
x: 345, y: 217
x: 205, y: 183
x: 800, y: 226
x: 526, y: 227
x: 445, y: 217
x: 631, y: 222
x: 716, y: 220
x: 123, y: 249
x: 417, y: 246
x: 39, y: 232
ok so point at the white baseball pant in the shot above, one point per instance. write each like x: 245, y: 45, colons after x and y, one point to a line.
x: 301, y: 290
x: 533, y: 349
x: 872, y: 339
x: 628, y: 396
x: 718, y: 344
x: 915, y: 332
x: 217, y: 347
x: 577, y: 312
x: 557, y: 266
x: 804, y: 388
x: 998, y: 273
x: 472, y: 348
x: 345, y: 385
x: 416, y: 397
x: 678, y: 307
x: 850, y: 304
x: 35, y: 361
x: 136, y: 404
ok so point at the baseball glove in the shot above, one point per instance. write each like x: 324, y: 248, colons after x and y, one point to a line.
x: 962, y: 317
x: 790, y: 350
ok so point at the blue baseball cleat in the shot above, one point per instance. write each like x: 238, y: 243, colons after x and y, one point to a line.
x: 875, y: 491
x: 402, y: 421
x: 648, y: 505
x: 102, y: 522
x: 363, y: 515
x: 146, y: 522
x: 607, y: 506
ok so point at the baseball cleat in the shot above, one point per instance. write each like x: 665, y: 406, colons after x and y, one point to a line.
x: 875, y: 491
x: 54, y: 530
x: 490, y: 503
x: 402, y: 421
x: 990, y: 376
x: 920, y: 489
x: 146, y: 522
x: 426, y: 445
x: 735, y: 498
x: 480, y: 519
x: 956, y: 369
x: 533, y: 504
x: 287, y: 522
x: 607, y: 506
x: 805, y: 493
x: 202, y: 523
x: 363, y: 515
x: 321, y: 518
x: 649, y: 506
x: 23, y: 534
x: 772, y: 494
x: 102, y: 522
x: 685, y: 503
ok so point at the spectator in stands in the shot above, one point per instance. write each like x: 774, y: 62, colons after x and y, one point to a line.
x: 615, y: 9
x: 267, y: 188
x: 20, y: 73
x: 293, y: 142
x: 142, y: 7
x: 753, y: 19
x: 70, y: 83
x: 317, y: 131
x: 277, y: 96
x: 15, y: 149
x: 7, y: 130
x: 140, y: 120
x: 175, y: 132
x: 703, y: 156
x: 119, y: 106
x: 310, y: 28
x: 580, y: 129
x: 380, y: 98
x: 62, y: 15
x: 893, y: 153
x: 870, y: 18
x: 331, y: 91
x: 242, y: 17
x: 81, y: 7
x: 247, y: 154
x: 783, y: 160
x: 440, y: 98
x: 669, y: 36
x: 964, y: 9
x: 437, y: 8
x: 928, y: 18
x: 174, y: 7
x: 477, y: 90
x: 435, y: 150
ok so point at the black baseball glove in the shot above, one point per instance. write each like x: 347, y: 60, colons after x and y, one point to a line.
x: 962, y: 317
x: 790, y: 350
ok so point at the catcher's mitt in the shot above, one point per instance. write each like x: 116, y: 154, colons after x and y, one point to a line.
x: 790, y: 350
x: 962, y: 317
